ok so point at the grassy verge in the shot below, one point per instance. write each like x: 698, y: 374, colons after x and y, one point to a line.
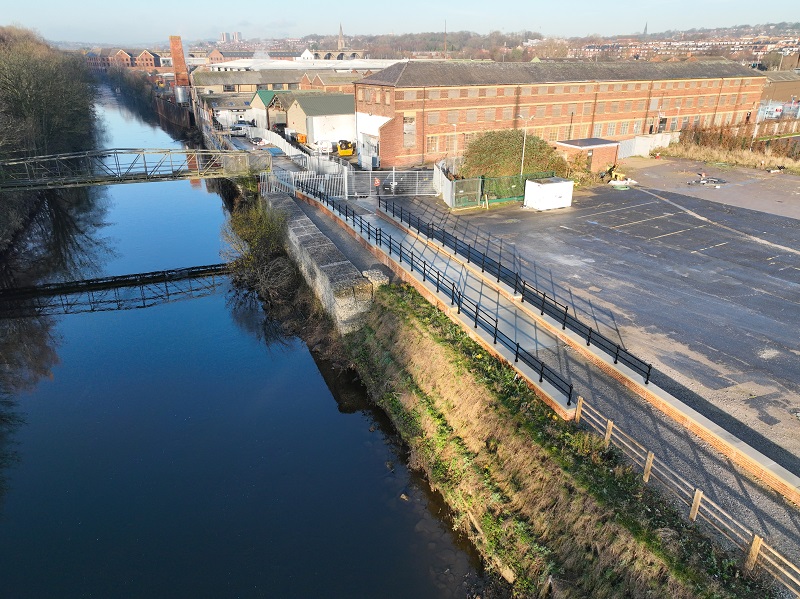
x: 741, y: 157
x: 549, y: 508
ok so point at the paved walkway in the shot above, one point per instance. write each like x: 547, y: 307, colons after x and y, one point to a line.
x: 746, y: 500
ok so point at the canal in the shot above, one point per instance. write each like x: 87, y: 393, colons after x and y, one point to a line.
x: 183, y: 450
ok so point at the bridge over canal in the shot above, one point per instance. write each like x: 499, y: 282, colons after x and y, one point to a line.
x: 128, y: 165
x: 125, y: 292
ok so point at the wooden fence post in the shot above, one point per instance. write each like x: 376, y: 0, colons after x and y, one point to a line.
x: 609, y: 428
x: 578, y: 410
x: 698, y: 497
x: 648, y: 465
x: 752, y: 554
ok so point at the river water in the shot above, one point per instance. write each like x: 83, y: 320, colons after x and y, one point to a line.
x: 182, y: 451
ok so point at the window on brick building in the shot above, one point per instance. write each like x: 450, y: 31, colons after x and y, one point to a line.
x: 540, y: 112
x: 598, y: 130
x: 743, y: 100
x: 628, y: 106
x: 542, y: 89
x: 453, y: 93
x: 700, y: 101
x: 640, y: 105
x: 611, y: 129
x: 637, y: 127
x: 489, y: 114
x: 508, y: 113
x: 452, y: 117
x: 684, y: 123
x: 572, y: 109
x: 614, y: 106
x: 617, y: 87
x: 656, y: 85
x: 722, y: 99
x: 472, y: 92
x: 409, y: 130
x: 433, y: 118
x: 449, y: 143
x: 553, y: 136
x: 604, y: 88
x: 409, y: 95
x: 556, y: 110
x: 229, y: 88
x: 559, y: 89
x: 368, y: 95
x: 387, y: 98
x: 523, y: 112
x: 732, y: 101
x: 665, y: 104
x: 623, y: 128
x: 472, y: 116
x: 587, y: 108
x: 433, y: 94
x: 673, y: 124
x: 468, y: 137
x: 574, y: 89
x: 632, y: 86
x: 600, y: 108
x: 491, y: 92
x: 654, y: 103
x: 526, y: 91
x: 696, y: 122
x: 431, y: 144
x: 360, y: 94
x: 689, y: 102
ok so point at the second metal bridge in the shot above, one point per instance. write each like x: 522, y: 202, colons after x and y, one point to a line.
x: 126, y: 292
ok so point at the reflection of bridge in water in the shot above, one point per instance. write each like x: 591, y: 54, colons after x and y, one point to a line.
x: 107, y: 167
x: 126, y: 292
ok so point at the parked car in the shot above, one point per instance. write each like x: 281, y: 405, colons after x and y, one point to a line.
x: 237, y: 131
x: 256, y: 140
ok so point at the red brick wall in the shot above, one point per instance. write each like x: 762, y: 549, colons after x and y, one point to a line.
x: 626, y: 106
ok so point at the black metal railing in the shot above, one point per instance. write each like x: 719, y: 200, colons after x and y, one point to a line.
x: 477, y: 314
x: 528, y: 293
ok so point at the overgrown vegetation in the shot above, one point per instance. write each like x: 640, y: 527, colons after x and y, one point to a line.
x: 544, y: 501
x: 255, y: 239
x: 499, y: 154
x: 736, y: 147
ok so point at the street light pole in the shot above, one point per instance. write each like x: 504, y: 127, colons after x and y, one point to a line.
x: 455, y: 145
x: 524, y: 142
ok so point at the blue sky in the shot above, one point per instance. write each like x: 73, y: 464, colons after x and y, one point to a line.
x: 153, y: 21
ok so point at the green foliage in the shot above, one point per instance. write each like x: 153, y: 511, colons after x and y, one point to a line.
x: 499, y: 154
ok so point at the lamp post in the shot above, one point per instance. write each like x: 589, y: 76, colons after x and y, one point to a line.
x: 455, y: 145
x: 524, y: 141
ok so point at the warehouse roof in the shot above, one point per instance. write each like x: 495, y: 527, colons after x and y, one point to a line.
x: 326, y: 104
x: 246, y: 77
x: 450, y: 73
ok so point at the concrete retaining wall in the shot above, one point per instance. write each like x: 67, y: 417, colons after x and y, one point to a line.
x: 343, y: 291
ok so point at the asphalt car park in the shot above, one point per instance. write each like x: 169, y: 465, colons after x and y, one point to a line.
x: 708, y: 290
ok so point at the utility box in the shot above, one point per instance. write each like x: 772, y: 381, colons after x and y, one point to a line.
x: 547, y: 194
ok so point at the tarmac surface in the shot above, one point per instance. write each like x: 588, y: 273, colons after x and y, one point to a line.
x: 708, y: 290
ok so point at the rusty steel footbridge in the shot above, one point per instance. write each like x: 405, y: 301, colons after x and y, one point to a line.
x: 128, y: 165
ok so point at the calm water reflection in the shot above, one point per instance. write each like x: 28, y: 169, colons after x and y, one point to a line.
x: 172, y: 452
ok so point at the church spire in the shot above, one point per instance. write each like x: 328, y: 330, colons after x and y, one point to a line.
x: 340, y: 45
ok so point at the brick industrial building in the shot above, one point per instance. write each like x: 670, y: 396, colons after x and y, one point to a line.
x: 414, y: 113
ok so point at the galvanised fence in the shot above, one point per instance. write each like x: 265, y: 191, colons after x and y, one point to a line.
x: 477, y: 314
x: 528, y: 293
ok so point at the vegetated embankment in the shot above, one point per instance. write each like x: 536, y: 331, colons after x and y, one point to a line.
x: 547, y: 505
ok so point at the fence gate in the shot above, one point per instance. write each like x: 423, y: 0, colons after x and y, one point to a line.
x: 283, y: 181
x: 400, y: 183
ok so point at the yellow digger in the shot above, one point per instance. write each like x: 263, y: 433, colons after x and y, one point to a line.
x: 344, y: 148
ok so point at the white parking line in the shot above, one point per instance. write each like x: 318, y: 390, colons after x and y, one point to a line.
x: 709, y: 247
x: 617, y: 209
x: 645, y: 220
x: 675, y: 232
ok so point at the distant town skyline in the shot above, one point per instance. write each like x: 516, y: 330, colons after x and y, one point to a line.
x: 150, y: 22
